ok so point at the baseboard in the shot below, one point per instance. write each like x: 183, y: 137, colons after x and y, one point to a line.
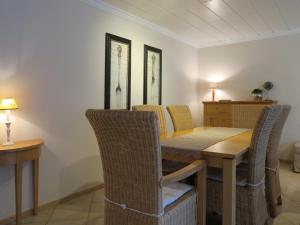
x: 29, y: 212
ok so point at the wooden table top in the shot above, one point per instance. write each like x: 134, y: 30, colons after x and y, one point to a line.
x: 21, y: 146
x: 231, y: 148
x: 180, y: 133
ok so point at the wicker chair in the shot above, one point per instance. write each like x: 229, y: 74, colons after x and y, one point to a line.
x: 251, y: 208
x: 181, y: 117
x: 160, y: 114
x: 273, y: 190
x: 167, y: 165
x: 130, y: 150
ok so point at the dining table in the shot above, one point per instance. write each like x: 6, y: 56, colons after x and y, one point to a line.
x: 221, y: 147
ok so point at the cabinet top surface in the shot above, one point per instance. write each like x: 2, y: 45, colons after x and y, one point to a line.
x: 21, y: 145
x: 241, y: 102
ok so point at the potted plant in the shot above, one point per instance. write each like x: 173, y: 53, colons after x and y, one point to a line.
x: 257, y: 94
x: 267, y: 86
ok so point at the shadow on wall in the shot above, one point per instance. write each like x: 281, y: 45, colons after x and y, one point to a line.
x: 62, y: 180
x: 74, y: 173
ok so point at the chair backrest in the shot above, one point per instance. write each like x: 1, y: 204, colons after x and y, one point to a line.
x: 130, y: 150
x: 259, y: 143
x: 273, y: 189
x: 159, y: 110
x: 273, y: 145
x: 181, y: 117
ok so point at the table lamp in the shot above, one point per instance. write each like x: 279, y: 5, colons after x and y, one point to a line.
x: 8, y: 104
x: 213, y: 87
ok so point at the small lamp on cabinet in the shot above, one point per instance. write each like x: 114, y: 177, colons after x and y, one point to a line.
x: 8, y: 104
x: 213, y: 87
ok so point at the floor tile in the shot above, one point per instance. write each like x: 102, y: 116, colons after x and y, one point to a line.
x: 95, y: 216
x: 96, y: 220
x: 42, y: 216
x: 89, y: 209
x: 291, y: 219
x: 290, y: 206
x: 288, y: 177
x: 81, y: 203
x: 98, y: 196
x: 97, y: 207
x: 68, y: 222
x: 80, y: 199
x: 65, y: 214
x: 14, y: 223
x: 293, y: 194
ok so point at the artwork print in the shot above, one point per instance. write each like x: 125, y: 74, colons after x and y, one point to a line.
x: 152, y: 75
x: 117, y: 72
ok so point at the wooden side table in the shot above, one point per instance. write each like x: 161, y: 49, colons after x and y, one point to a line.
x: 16, y: 155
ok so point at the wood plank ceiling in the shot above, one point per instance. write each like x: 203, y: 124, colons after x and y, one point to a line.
x: 215, y: 22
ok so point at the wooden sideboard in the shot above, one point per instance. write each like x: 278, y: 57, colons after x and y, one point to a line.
x: 240, y: 114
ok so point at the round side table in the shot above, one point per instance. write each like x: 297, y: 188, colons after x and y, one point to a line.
x: 16, y: 155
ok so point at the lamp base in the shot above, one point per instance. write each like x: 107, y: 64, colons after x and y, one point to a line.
x: 8, y: 143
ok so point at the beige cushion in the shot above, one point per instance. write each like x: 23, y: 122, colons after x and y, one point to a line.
x: 174, y: 191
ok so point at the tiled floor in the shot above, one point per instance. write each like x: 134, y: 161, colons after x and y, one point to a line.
x: 89, y: 210
x: 290, y: 183
x: 84, y: 210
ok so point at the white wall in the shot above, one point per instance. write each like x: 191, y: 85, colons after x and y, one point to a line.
x: 243, y: 67
x: 52, y: 62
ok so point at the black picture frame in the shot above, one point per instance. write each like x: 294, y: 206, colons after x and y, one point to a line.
x: 109, y: 38
x: 148, y: 48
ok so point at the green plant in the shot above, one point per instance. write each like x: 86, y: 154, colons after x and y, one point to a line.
x: 268, y: 85
x: 257, y: 92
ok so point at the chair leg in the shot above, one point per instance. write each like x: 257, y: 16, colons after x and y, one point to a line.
x: 201, y: 197
x: 269, y: 221
x: 279, y: 200
x: 275, y: 209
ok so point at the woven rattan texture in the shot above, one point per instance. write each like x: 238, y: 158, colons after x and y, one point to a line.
x: 129, y: 145
x: 181, y: 117
x: 251, y: 207
x: 273, y: 190
x: 159, y: 110
x: 245, y: 116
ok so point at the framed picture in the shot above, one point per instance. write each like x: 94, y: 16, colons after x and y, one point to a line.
x: 152, y: 75
x: 117, y: 72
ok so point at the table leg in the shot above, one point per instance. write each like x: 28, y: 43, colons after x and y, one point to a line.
x: 18, y: 190
x: 201, y: 201
x: 229, y: 191
x: 35, y: 185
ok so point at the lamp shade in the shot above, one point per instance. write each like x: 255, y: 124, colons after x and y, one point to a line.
x: 8, y: 104
x: 213, y: 86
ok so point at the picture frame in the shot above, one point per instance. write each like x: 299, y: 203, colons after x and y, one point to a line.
x: 117, y: 72
x: 152, y: 75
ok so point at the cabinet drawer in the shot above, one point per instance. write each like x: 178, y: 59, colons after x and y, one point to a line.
x: 218, y: 109
x: 218, y: 122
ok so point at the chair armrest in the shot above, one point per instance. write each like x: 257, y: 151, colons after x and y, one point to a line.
x: 183, y: 173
